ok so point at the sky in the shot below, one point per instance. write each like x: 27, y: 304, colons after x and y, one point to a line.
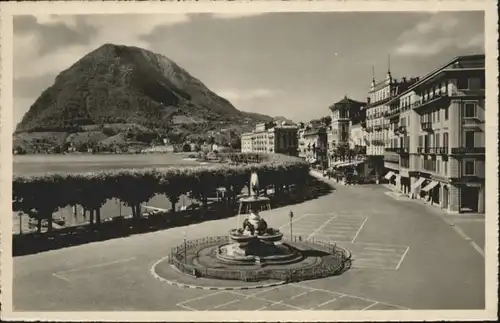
x: 280, y: 64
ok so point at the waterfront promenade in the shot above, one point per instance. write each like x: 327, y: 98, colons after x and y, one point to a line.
x: 405, y: 256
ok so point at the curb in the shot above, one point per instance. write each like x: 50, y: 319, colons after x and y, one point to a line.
x: 182, y: 285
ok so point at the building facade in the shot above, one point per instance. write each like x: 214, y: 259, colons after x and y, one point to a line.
x: 273, y: 137
x: 339, y: 130
x: 379, y: 134
x: 357, y: 128
x: 313, y: 145
x: 438, y: 123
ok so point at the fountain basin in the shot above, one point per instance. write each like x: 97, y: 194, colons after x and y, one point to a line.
x: 274, y: 237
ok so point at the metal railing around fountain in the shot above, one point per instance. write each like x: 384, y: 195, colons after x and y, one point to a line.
x: 327, y: 268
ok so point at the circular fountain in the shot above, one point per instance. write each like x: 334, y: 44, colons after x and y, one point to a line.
x: 257, y: 243
x: 255, y: 252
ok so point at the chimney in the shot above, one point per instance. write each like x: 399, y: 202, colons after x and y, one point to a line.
x: 404, y: 79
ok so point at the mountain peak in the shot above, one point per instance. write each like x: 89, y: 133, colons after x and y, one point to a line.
x: 126, y: 84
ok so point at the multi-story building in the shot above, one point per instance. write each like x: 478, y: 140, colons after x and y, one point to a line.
x: 357, y: 126
x: 378, y: 129
x: 273, y: 137
x: 338, y: 132
x: 313, y: 144
x: 439, y: 122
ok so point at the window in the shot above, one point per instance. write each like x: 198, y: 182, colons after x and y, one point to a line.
x: 469, y: 139
x: 470, y: 110
x: 446, y: 113
x: 445, y: 139
x: 420, y: 141
x: 438, y: 162
x: 463, y: 83
x: 438, y: 142
x: 438, y: 112
x: 469, y: 167
x: 445, y: 167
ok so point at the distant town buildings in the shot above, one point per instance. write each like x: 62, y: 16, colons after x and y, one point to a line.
x: 273, y: 137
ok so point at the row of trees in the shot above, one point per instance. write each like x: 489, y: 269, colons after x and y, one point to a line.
x: 41, y: 196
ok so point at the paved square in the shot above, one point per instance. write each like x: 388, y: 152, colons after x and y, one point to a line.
x: 311, y: 299
x: 210, y: 301
x: 375, y: 255
x: 280, y: 293
x: 342, y: 227
x: 244, y: 304
x: 345, y: 303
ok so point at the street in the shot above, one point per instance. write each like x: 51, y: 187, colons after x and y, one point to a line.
x: 405, y: 256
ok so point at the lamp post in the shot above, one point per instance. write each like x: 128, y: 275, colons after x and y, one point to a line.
x: 291, y: 232
x: 185, y: 248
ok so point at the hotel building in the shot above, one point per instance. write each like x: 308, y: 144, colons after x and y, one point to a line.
x: 439, y: 142
x: 379, y: 134
x: 270, y: 138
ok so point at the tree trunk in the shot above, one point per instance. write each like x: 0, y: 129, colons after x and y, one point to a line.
x: 133, y: 212
x: 138, y: 211
x: 91, y: 217
x: 49, y: 223
x: 39, y: 225
x: 98, y: 216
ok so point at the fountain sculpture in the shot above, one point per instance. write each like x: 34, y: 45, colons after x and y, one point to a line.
x: 255, y: 241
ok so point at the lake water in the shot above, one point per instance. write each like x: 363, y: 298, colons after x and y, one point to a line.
x: 40, y: 164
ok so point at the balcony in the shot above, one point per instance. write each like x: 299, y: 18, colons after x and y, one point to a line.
x: 402, y: 150
x: 442, y: 150
x: 426, y: 125
x: 428, y: 101
x: 472, y: 123
x: 402, y: 129
x: 421, y: 150
x: 377, y: 127
x: 467, y: 150
x: 391, y: 149
x: 392, y: 113
x: 376, y: 142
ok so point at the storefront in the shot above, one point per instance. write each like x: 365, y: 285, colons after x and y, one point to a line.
x: 391, y: 176
x: 432, y: 192
x: 416, y: 186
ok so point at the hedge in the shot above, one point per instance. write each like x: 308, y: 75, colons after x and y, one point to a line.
x: 41, y: 196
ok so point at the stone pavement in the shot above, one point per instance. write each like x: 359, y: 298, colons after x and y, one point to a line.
x: 404, y: 256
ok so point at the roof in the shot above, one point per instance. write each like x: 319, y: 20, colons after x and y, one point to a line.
x: 424, y: 79
x: 346, y: 101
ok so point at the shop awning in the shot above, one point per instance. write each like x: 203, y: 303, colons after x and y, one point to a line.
x: 430, y: 186
x: 418, y: 183
x: 389, y: 175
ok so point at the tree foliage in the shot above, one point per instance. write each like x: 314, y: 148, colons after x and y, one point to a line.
x: 41, y: 196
